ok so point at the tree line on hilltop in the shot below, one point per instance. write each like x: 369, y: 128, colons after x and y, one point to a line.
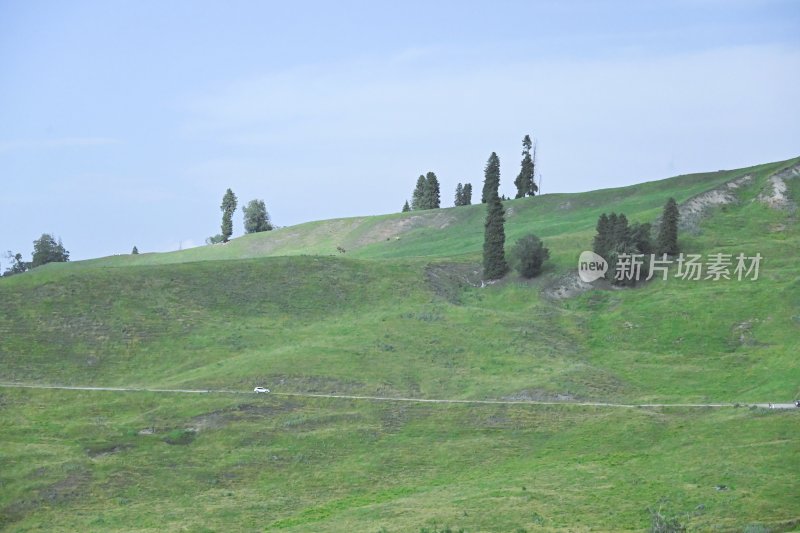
x: 49, y: 249
x: 46, y: 249
x: 527, y: 255
x: 256, y: 218
x: 426, y: 194
x: 615, y: 236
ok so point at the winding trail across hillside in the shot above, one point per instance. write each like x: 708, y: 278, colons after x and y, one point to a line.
x: 399, y: 399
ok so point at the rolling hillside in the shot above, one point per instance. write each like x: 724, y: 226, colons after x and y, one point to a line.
x: 453, y: 232
x: 403, y: 314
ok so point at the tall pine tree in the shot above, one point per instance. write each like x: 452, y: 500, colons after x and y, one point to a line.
x: 494, y: 235
x: 228, y: 207
x: 667, y: 242
x: 619, y: 229
x: 525, y: 182
x: 418, y: 197
x: 466, y: 194
x: 406, y: 207
x: 494, y: 239
x: 491, y: 180
x: 432, y: 196
x: 602, y: 240
x: 459, y: 195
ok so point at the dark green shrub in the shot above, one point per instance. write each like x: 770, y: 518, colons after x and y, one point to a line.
x: 528, y: 256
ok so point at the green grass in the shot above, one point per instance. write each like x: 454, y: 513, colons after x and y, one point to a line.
x: 396, y: 315
x: 319, y: 465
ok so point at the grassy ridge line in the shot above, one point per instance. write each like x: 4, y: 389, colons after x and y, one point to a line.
x: 453, y: 231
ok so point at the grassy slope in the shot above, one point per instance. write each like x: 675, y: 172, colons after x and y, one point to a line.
x: 76, y: 461
x: 361, y: 325
x: 452, y: 231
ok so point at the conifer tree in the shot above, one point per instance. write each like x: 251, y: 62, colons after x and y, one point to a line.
x: 491, y: 180
x: 135, y: 251
x: 601, y: 243
x: 667, y: 242
x: 432, y: 196
x: 406, y: 207
x: 494, y: 236
x: 466, y: 194
x: 418, y: 198
x: 639, y: 240
x: 228, y: 207
x: 459, y: 195
x: 525, y: 182
x: 619, y: 231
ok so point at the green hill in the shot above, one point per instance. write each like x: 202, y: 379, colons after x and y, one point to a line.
x: 403, y: 313
x: 455, y: 231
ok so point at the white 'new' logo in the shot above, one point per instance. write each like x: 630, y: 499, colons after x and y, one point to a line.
x: 591, y: 267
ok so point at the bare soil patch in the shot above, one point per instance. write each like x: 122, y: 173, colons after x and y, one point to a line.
x: 776, y: 195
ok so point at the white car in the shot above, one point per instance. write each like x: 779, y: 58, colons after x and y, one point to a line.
x: 259, y: 390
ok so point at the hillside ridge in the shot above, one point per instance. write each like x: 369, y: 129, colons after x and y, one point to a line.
x: 420, y: 233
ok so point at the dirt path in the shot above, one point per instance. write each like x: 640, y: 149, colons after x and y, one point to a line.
x: 390, y: 399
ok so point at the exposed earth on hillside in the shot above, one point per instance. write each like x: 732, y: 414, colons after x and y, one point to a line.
x: 778, y: 197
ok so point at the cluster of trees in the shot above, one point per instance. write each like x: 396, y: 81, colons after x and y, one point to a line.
x: 256, y: 218
x: 46, y: 249
x: 528, y: 254
x: 463, y: 194
x: 616, y: 236
x: 426, y: 195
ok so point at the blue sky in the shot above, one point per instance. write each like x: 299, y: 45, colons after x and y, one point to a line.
x: 123, y: 122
